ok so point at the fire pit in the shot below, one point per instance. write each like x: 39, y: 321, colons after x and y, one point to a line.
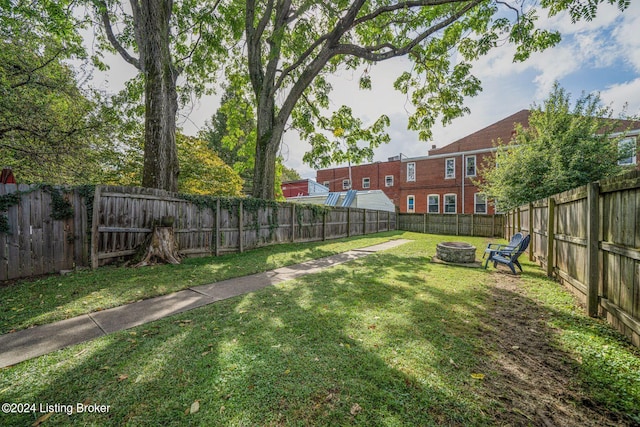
x: 456, y: 252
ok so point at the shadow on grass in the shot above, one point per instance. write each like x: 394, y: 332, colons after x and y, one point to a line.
x: 389, y: 339
x: 30, y: 303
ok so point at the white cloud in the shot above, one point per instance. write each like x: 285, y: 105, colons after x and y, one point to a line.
x: 619, y: 95
x: 627, y: 42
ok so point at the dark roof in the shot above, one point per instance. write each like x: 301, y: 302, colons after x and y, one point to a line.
x: 486, y: 137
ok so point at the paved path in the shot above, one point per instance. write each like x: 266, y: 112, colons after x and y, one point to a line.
x: 29, y: 343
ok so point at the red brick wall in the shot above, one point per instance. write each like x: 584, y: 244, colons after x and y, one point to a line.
x: 376, y: 172
x: 430, y: 179
x: 296, y: 188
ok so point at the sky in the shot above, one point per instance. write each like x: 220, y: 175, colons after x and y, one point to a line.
x: 599, y: 56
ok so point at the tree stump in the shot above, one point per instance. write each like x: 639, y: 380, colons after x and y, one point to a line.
x: 161, y: 247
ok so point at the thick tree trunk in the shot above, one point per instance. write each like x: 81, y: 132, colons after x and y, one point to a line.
x: 264, y: 176
x: 161, y: 167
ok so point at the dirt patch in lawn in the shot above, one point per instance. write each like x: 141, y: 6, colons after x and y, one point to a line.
x: 534, y: 382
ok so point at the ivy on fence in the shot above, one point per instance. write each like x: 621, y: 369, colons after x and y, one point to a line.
x: 61, y: 208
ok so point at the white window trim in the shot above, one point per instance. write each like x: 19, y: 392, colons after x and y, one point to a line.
x: 633, y: 158
x: 475, y: 204
x: 411, y: 165
x: 346, y: 184
x: 386, y: 184
x: 412, y: 197
x: 437, y: 196
x: 326, y: 183
x: 444, y: 203
x: 368, y: 181
x: 475, y: 166
x: 446, y: 176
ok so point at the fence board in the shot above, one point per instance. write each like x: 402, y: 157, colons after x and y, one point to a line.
x: 122, y: 217
x: 614, y: 283
x: 453, y: 224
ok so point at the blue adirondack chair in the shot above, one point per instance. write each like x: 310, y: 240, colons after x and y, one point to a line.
x: 494, y: 247
x: 509, y: 256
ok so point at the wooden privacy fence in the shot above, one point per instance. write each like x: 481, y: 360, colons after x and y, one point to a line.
x: 589, y: 239
x: 112, y: 222
x: 453, y: 224
x: 34, y: 241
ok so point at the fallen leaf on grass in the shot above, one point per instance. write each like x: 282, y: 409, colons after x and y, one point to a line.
x: 123, y: 377
x: 195, y: 407
x: 42, y: 419
x: 477, y: 376
x: 355, y: 409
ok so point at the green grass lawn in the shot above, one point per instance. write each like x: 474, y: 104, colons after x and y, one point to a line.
x: 387, y: 340
x: 55, y: 297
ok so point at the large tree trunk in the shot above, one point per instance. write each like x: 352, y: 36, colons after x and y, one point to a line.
x: 161, y: 167
x: 264, y: 176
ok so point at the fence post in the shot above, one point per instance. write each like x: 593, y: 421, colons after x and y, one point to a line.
x: 473, y: 225
x: 593, y: 236
x: 493, y: 225
x: 324, y: 225
x: 348, y: 222
x: 364, y: 223
x: 293, y: 222
x: 532, y: 241
x: 94, y: 228
x: 424, y: 223
x: 377, y: 221
x: 550, y: 235
x: 241, y: 226
x: 217, y: 230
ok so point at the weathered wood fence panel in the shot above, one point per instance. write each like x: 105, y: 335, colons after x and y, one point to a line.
x: 588, y: 239
x: 453, y: 224
x: 35, y: 242
x: 123, y: 217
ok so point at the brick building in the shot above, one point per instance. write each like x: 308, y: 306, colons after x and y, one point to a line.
x: 383, y: 176
x: 440, y: 182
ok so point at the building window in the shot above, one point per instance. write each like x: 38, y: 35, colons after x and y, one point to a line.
x: 411, y: 172
x: 433, y: 203
x: 411, y: 204
x: 326, y: 183
x: 471, y: 165
x: 450, y: 203
x: 480, y: 203
x: 346, y: 184
x: 627, y: 148
x: 388, y: 181
x: 366, y: 182
x: 450, y: 168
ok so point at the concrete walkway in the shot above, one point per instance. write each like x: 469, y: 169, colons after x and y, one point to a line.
x: 29, y: 343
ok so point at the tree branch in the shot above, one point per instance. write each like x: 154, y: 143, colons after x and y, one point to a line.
x: 370, y: 53
x: 403, y: 5
x: 106, y: 21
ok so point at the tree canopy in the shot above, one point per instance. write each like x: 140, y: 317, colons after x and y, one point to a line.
x: 293, y: 46
x: 164, y: 40
x: 51, y: 128
x: 562, y: 148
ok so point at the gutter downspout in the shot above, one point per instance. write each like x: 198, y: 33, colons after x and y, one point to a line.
x: 463, y: 172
